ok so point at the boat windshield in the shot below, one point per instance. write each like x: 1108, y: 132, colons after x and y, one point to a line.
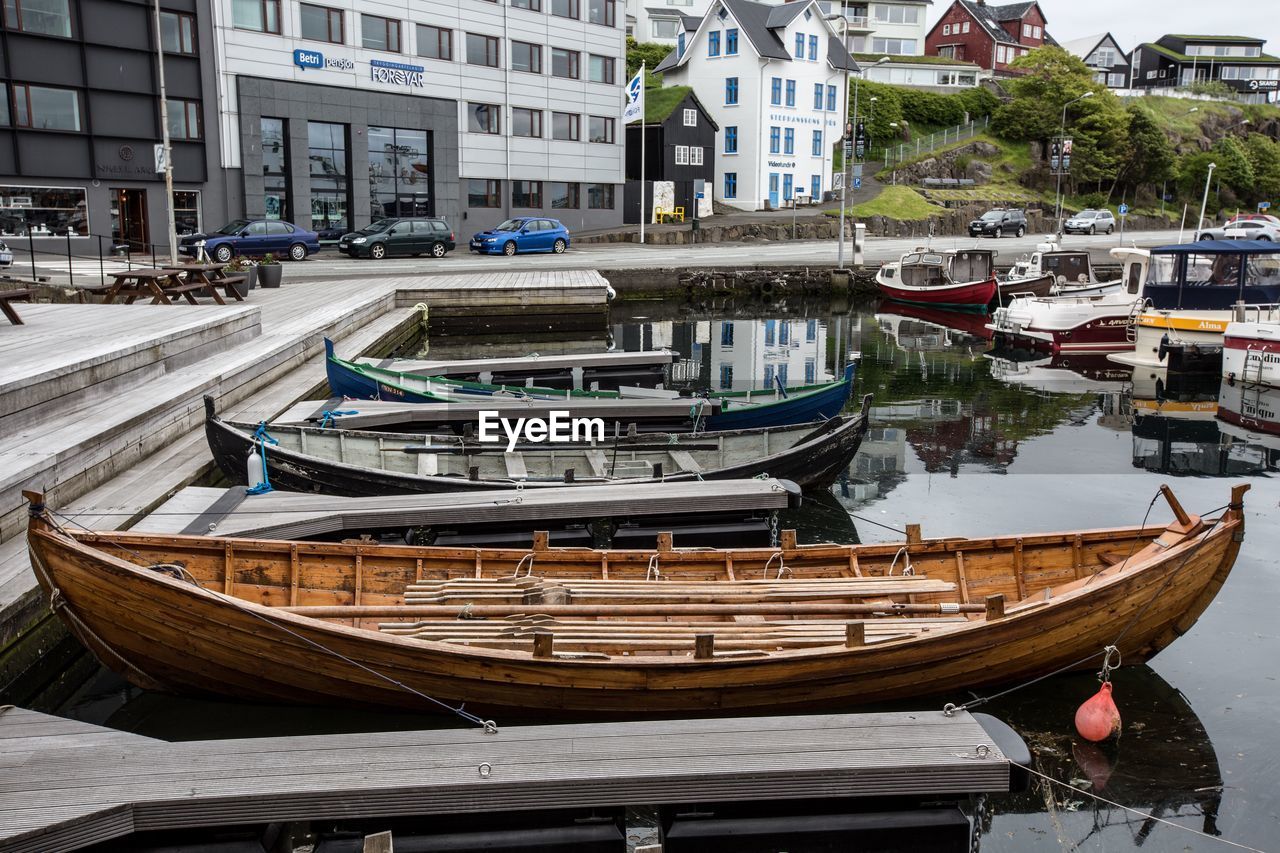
x: 971, y: 266
x: 1071, y: 268
x: 1212, y: 281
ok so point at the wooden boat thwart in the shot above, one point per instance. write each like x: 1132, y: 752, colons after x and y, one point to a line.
x: 625, y: 632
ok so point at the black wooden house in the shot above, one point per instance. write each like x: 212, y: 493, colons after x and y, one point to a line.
x: 679, y: 146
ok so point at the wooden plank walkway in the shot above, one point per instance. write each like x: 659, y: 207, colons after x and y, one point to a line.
x: 66, y: 798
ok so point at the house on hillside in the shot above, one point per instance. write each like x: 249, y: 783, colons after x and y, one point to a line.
x: 932, y: 73
x: 991, y: 36
x: 679, y: 149
x: 1180, y: 60
x: 1102, y: 53
x: 774, y: 80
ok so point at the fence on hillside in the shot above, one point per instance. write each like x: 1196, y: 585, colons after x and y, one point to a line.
x: 895, y: 154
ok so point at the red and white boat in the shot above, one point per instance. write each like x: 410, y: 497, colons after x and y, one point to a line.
x: 952, y: 278
x: 1251, y: 353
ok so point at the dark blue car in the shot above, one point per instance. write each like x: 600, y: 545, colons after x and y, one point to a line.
x: 254, y: 237
x: 524, y: 234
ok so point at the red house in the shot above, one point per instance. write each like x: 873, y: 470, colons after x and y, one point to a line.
x: 991, y: 36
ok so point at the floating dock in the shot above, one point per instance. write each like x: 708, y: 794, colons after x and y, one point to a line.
x: 68, y: 785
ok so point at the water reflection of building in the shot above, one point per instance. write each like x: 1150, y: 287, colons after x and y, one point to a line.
x: 878, y: 468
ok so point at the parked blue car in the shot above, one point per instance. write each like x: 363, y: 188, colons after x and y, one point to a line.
x: 525, y: 234
x: 254, y: 237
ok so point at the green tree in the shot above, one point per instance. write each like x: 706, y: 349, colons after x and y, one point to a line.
x: 1264, y: 158
x: 1149, y: 157
x: 650, y: 53
x: 1234, y: 170
x: 1192, y: 170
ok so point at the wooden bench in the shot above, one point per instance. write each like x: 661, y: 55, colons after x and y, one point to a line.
x: 15, y: 295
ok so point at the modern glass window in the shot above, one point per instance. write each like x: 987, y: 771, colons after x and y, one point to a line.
x: 567, y: 126
x: 726, y: 334
x: 731, y: 42
x: 526, y: 193
x: 791, y: 93
x: 329, y: 165
x: 400, y: 176
x: 815, y: 186
x: 184, y: 119
x: 775, y: 91
x: 894, y: 47
x: 887, y: 13
x: 730, y: 91
x: 817, y: 143
x: 775, y: 140
x: 526, y: 57
x: 482, y: 50
x: 731, y: 139
x: 799, y: 45
x: 567, y: 9
x: 275, y: 169
x: 600, y: 69
x: 600, y: 196
x: 603, y: 12
x: 260, y: 15
x: 43, y: 211
x: 483, y: 118
x: 435, y: 42
x: 531, y: 5
x: 662, y: 28
x: 47, y: 17
x: 379, y: 33
x: 177, y: 32
x: 526, y: 122
x: 600, y: 129
x: 789, y: 141
x: 45, y: 108
x: 831, y: 98
x: 564, y: 63
x: 818, y: 89
x: 484, y: 192
x: 813, y: 48
x: 186, y: 212
x: 320, y: 23
x: 713, y: 43
x: 563, y: 196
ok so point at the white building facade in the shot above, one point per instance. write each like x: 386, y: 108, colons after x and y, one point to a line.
x: 774, y: 78
x: 341, y: 111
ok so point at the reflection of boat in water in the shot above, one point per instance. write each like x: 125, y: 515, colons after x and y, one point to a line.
x: 1184, y: 438
x: 957, y: 278
x: 919, y: 328
x: 1251, y: 414
x: 1058, y: 373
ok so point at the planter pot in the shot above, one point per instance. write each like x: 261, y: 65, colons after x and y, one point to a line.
x: 245, y: 286
x: 269, y: 275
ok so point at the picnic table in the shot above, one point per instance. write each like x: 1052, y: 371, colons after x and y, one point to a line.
x: 213, y: 276
x: 7, y: 296
x: 161, y: 283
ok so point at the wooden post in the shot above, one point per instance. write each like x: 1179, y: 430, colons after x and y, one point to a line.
x: 788, y: 540
x: 664, y: 542
x: 855, y: 634
x: 995, y: 607
x: 540, y: 540
x: 913, y: 534
x: 543, y: 643
x: 704, y: 645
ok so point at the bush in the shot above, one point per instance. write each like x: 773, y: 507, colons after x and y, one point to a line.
x: 1093, y: 201
x: 1211, y: 88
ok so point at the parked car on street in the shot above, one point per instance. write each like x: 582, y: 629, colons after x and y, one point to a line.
x: 1219, y: 232
x: 1091, y: 222
x: 6, y: 255
x: 999, y: 222
x: 1251, y: 229
x: 414, y: 236
x: 253, y: 237
x: 524, y: 234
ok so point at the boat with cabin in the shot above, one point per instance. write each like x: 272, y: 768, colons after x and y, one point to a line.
x: 1052, y: 270
x: 1251, y: 353
x: 943, y: 278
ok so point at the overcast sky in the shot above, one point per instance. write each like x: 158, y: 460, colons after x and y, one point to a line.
x: 1135, y: 21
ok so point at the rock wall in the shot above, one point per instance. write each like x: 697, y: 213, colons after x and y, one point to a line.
x: 962, y: 162
x: 809, y: 227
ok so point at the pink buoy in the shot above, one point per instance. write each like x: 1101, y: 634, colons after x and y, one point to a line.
x: 1098, y: 718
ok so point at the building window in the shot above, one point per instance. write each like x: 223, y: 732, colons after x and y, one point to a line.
x: 330, y: 169
x: 1035, y: 32
x: 663, y: 28
x: 44, y: 108
x: 184, y: 119
x: 186, y: 212
x: 815, y: 186
x: 600, y: 129
x: 731, y: 42
x: 695, y: 155
x: 810, y: 370
x: 690, y: 118
x: 682, y: 155
x: 483, y: 192
x: 811, y: 329
x: 260, y: 15
x: 600, y: 196
x: 775, y: 91
x: 526, y: 194
x: 775, y: 140
x: 726, y: 376
x: 435, y: 42
x: 482, y: 50
x: 799, y: 45
x: 563, y: 196
x: 531, y: 5
x: 946, y: 29
x: 1115, y: 81
x: 526, y: 122
x: 731, y: 139
x: 600, y: 69
x: 770, y: 339
x: 1103, y: 57
x: 526, y: 57
x: 567, y: 9
x: 886, y: 13
x: 730, y: 91
x: 564, y: 63
x: 47, y: 17
x: 964, y: 28
x: 789, y: 141
x: 831, y: 98
x: 1026, y: 31
x: 817, y: 95
x: 177, y: 32
x: 483, y: 118
x: 602, y: 12
x: 43, y: 211
x: 320, y: 23
x: 817, y: 143
x: 894, y: 47
x: 713, y: 44
x: 999, y: 53
x: 567, y: 126
x: 400, y: 176
x: 726, y: 334
x: 379, y: 33
x: 813, y: 48
x: 275, y: 169
x: 791, y: 93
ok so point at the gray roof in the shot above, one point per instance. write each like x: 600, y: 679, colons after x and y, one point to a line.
x: 1011, y: 11
x: 838, y: 56
x: 757, y: 21
x: 988, y: 19
x: 780, y: 16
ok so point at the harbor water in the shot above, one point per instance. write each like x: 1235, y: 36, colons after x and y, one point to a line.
x: 968, y: 443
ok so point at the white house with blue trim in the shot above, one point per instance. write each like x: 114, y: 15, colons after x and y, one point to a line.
x: 773, y: 78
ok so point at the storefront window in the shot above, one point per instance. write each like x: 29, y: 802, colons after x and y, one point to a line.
x: 399, y: 172
x: 43, y: 211
x: 186, y: 212
x: 330, y: 186
x: 49, y: 17
x: 275, y: 169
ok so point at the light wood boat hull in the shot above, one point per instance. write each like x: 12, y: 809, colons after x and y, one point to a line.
x: 232, y: 637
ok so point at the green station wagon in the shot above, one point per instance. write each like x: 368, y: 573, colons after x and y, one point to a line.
x: 407, y: 236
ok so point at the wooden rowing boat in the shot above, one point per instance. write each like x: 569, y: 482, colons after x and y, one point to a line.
x: 349, y: 462
x: 626, y: 632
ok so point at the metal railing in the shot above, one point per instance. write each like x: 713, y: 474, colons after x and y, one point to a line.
x: 925, y: 144
x: 84, y: 260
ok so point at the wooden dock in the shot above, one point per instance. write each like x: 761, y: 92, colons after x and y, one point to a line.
x: 67, y: 785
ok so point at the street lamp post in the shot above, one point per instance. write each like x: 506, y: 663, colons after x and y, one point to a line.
x: 850, y: 127
x: 1061, y: 133
x: 1205, y: 199
x: 164, y: 136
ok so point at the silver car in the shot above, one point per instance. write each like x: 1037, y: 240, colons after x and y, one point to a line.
x: 1090, y: 222
x: 1251, y: 229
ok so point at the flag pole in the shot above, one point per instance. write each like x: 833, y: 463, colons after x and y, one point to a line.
x: 642, y: 135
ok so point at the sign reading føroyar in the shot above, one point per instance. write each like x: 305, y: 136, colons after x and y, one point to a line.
x: 396, y: 73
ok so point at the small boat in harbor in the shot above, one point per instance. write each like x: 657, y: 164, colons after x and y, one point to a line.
x: 943, y: 278
x: 624, y: 632
x: 584, y: 371
x: 1251, y: 352
x: 349, y: 462
x: 1053, y: 271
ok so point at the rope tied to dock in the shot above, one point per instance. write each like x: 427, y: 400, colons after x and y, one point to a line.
x: 328, y: 415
